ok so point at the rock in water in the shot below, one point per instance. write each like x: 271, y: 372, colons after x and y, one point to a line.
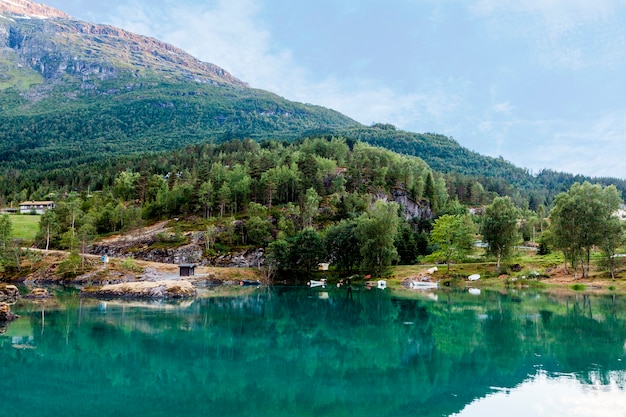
x: 39, y: 293
x: 143, y: 290
x: 8, y: 292
x: 6, y: 314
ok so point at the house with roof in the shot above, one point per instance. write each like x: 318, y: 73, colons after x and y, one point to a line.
x: 37, y: 207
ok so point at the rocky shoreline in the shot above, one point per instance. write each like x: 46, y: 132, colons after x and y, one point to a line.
x: 173, y: 289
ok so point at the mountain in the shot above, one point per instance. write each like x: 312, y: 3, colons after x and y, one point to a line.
x: 52, y: 44
x: 73, y: 92
x: 28, y: 9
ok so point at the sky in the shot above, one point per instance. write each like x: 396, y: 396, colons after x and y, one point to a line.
x: 541, y: 83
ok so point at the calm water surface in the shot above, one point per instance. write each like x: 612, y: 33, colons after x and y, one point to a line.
x: 303, y: 352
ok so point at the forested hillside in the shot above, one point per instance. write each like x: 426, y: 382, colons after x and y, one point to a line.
x: 318, y: 199
x: 58, y: 133
x: 465, y: 169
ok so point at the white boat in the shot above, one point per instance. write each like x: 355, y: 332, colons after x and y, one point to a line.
x: 474, y: 277
x: 423, y: 284
x: 314, y: 283
x: 382, y: 284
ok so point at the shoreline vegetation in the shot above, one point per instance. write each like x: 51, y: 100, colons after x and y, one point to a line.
x: 42, y: 270
x: 279, y: 211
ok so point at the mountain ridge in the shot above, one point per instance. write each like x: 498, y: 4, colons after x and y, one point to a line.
x: 55, y: 43
x: 27, y: 8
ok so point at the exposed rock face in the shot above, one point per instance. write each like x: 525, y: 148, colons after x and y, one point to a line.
x: 6, y: 314
x: 143, y: 251
x: 54, y: 45
x: 8, y: 292
x: 412, y: 209
x: 246, y: 259
x: 143, y: 290
x: 192, y: 253
x: 29, y: 8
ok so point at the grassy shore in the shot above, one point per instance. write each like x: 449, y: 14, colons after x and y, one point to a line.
x: 525, y: 270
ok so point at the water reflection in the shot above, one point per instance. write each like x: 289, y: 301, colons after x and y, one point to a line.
x: 312, y: 351
x: 556, y: 396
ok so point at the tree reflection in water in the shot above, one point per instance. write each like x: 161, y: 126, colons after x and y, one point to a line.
x: 288, y: 351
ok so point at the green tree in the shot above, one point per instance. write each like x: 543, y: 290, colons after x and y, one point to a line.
x: 307, y: 250
x: 48, y: 226
x: 206, y: 198
x: 70, y: 266
x: 499, y: 228
x: 611, y: 238
x: 343, y: 246
x: 453, y: 235
x: 581, y: 219
x: 9, y: 252
x: 224, y: 196
x: 6, y: 234
x: 258, y: 231
x: 310, y: 205
x: 210, y: 236
x: 376, y: 232
x: 429, y: 189
x: 278, y: 255
x: 126, y: 185
x: 86, y: 234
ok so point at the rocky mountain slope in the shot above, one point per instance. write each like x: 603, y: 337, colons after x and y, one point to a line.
x: 29, y: 9
x: 54, y: 45
x: 73, y: 92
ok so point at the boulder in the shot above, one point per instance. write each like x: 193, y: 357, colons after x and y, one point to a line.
x: 143, y: 290
x: 8, y: 292
x: 6, y: 314
x: 38, y: 293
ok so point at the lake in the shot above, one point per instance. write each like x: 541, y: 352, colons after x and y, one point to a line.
x: 290, y: 351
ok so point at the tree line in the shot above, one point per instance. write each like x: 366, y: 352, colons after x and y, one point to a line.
x: 323, y: 199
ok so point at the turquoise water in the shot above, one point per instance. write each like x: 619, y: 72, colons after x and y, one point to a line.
x: 302, y: 352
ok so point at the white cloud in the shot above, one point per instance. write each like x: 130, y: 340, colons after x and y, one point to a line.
x: 504, y: 107
x: 591, y: 147
x: 562, y: 13
x: 564, y: 34
x: 230, y: 34
x: 555, y: 396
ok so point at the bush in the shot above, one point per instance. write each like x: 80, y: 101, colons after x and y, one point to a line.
x: 544, y: 248
x: 71, y: 266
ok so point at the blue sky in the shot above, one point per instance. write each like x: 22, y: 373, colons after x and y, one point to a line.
x: 541, y: 83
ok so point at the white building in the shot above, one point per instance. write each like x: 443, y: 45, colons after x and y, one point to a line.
x: 39, y: 207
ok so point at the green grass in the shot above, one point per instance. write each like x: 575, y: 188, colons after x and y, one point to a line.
x: 25, y: 226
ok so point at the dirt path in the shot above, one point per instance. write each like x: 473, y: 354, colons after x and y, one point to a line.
x: 137, y: 235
